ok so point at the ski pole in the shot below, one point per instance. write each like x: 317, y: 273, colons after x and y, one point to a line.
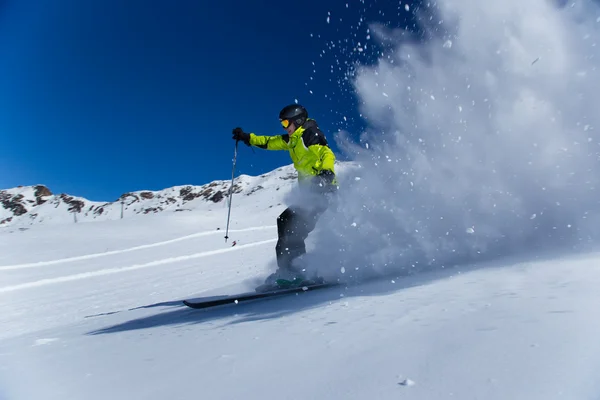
x: 231, y: 189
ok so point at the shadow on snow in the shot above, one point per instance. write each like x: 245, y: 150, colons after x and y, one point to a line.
x: 275, y: 307
x: 271, y: 308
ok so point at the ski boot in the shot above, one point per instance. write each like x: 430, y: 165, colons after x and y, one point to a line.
x: 283, y: 278
x: 299, y: 281
x: 287, y: 279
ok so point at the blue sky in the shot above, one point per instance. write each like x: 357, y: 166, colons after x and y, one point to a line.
x: 100, y: 98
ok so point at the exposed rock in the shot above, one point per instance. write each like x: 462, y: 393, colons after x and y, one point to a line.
x: 207, y: 193
x: 187, y: 193
x: 147, y: 195
x: 217, y: 197
x: 152, y: 209
x: 257, y: 188
x: 41, y: 191
x: 289, y: 176
x: 13, y: 203
x: 126, y: 196
x: 74, y: 205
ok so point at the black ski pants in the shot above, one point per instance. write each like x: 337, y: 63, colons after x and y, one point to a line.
x: 293, y: 227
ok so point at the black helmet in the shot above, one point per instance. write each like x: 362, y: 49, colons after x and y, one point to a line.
x: 294, y: 113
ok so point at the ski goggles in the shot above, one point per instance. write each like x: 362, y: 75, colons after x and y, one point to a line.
x: 285, y: 122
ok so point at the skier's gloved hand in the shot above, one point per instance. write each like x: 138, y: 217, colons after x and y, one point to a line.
x: 324, y: 181
x: 239, y: 134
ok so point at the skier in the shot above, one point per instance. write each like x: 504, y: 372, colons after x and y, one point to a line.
x: 314, y: 161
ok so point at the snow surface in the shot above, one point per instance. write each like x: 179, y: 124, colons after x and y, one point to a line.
x: 111, y: 325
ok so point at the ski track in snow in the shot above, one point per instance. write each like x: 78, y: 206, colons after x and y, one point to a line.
x: 110, y: 271
x: 112, y: 252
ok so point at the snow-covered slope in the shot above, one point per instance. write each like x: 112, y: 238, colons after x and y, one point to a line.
x: 29, y: 205
x: 93, y: 311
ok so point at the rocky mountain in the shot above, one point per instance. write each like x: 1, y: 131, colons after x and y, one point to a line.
x: 29, y: 205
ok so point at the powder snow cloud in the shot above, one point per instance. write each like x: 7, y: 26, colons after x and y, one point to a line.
x: 483, y: 139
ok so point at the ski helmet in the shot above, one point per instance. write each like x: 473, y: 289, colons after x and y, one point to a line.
x: 294, y: 113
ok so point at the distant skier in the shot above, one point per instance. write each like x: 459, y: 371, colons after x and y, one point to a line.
x: 314, y: 161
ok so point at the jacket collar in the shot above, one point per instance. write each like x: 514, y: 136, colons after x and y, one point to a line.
x: 310, y: 123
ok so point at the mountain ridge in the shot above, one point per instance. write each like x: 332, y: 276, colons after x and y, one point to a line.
x: 30, y: 205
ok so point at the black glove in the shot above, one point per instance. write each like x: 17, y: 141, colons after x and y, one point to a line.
x: 239, y: 134
x: 323, y: 182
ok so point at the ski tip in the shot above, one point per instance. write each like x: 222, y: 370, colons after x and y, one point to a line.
x: 193, y: 305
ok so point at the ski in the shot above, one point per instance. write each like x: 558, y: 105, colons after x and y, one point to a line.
x: 241, y: 297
